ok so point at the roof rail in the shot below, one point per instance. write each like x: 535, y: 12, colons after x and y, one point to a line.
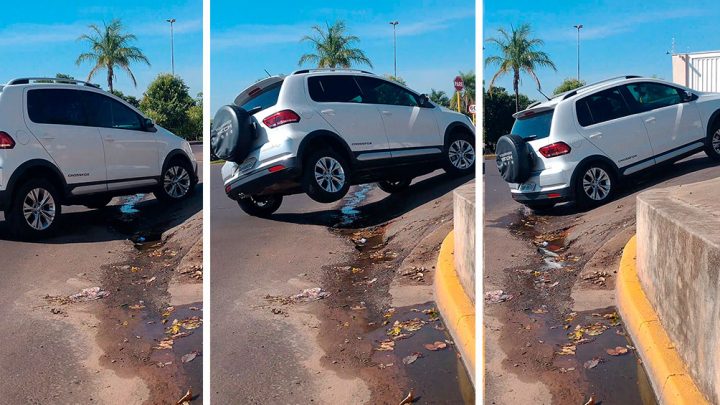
x: 301, y: 71
x: 59, y: 80
x: 573, y: 92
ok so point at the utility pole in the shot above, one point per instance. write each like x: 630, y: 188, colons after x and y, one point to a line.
x: 172, y: 45
x: 578, y: 49
x: 394, y: 24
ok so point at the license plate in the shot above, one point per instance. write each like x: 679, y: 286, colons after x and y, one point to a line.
x: 526, y: 187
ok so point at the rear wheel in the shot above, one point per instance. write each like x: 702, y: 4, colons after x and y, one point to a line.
x: 712, y: 147
x: 176, y: 182
x: 394, y: 186
x: 326, y: 176
x: 595, y: 185
x: 260, y: 206
x: 34, y: 210
x: 460, y: 154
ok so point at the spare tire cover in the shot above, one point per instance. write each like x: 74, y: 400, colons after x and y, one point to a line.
x: 513, y: 158
x: 231, y: 135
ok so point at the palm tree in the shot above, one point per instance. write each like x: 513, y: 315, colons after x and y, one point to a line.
x: 467, y: 96
x: 439, y: 97
x: 334, y: 48
x: 518, y: 53
x: 110, y: 48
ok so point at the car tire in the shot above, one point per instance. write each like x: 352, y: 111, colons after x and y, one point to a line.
x: 262, y: 206
x: 34, y: 210
x: 176, y: 182
x: 513, y: 158
x: 459, y: 154
x: 540, y: 205
x: 232, y: 134
x: 394, y: 186
x: 96, y: 203
x: 712, y: 145
x: 595, y: 185
x: 326, y: 176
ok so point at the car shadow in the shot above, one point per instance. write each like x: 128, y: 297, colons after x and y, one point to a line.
x: 378, y: 212
x: 123, y: 219
x: 640, y: 182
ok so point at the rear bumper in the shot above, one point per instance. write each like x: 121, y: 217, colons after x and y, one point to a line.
x: 559, y: 195
x: 259, y: 181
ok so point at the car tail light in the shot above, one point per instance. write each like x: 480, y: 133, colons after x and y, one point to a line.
x: 6, y: 141
x: 555, y: 149
x: 281, y: 118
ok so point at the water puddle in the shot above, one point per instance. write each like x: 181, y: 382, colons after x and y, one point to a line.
x: 349, y: 212
x: 128, y: 206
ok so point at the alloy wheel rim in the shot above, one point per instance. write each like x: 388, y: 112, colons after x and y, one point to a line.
x: 329, y: 174
x: 461, y: 154
x: 597, y: 183
x: 716, y: 141
x: 176, y: 182
x: 39, y: 209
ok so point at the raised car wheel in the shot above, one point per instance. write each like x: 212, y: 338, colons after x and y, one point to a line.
x: 460, y: 154
x: 176, y: 182
x: 260, y: 206
x: 513, y: 158
x: 394, y: 186
x: 595, y: 184
x: 326, y: 176
x: 712, y: 146
x: 232, y: 134
x: 34, y: 210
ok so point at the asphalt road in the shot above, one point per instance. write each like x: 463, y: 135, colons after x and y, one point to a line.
x: 598, y: 236
x: 54, y: 358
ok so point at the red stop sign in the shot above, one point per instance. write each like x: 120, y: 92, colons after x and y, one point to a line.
x: 458, y: 82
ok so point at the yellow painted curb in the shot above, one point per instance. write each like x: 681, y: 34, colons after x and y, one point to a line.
x: 666, y: 370
x: 457, y: 310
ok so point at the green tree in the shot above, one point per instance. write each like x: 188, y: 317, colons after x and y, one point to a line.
x: 194, y: 125
x: 110, y: 49
x: 467, y: 96
x: 167, y: 102
x: 498, y: 108
x: 334, y: 48
x: 518, y: 53
x: 439, y: 97
x: 396, y: 79
x: 568, y: 84
x: 133, y: 101
x: 57, y: 76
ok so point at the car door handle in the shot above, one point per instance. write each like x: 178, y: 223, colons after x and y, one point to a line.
x: 595, y: 135
x: 328, y: 112
x: 649, y: 120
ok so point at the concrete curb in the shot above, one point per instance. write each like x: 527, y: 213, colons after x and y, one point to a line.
x: 667, y: 372
x: 454, y: 305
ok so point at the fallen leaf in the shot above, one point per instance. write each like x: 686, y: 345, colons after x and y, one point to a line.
x: 592, y: 363
x: 590, y: 401
x: 408, y: 399
x: 618, y: 351
x: 187, y: 358
x: 185, y: 398
x: 411, y: 358
x: 435, y: 346
x: 567, y: 349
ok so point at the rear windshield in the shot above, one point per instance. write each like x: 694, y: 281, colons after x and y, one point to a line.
x: 267, y: 98
x: 537, y: 125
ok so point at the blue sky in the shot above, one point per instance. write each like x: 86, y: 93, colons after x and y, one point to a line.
x: 435, y: 39
x: 618, y: 38
x: 42, y: 40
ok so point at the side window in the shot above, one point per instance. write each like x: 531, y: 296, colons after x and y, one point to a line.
x: 98, y: 110
x: 380, y: 91
x: 650, y: 96
x: 123, y: 117
x: 56, y: 106
x: 334, y: 89
x: 600, y: 107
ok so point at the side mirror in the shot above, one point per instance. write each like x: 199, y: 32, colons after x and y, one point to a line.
x: 149, y: 124
x: 688, y: 96
x: 425, y: 101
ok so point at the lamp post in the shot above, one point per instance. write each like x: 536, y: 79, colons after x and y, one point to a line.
x: 172, y: 45
x: 577, y: 27
x: 394, y: 24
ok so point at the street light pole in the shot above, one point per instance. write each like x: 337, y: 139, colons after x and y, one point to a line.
x: 578, y: 49
x: 172, y: 45
x: 394, y: 24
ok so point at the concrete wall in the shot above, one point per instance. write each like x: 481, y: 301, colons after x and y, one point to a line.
x: 464, y: 229
x: 678, y: 263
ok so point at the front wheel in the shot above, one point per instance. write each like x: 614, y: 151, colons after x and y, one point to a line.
x: 394, y: 186
x: 595, y: 185
x: 712, y: 148
x: 326, y: 176
x: 176, y: 183
x: 35, y: 210
x: 460, y: 155
x: 262, y: 207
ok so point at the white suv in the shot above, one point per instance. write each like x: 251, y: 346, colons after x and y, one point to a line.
x: 65, y: 142
x: 320, y: 131
x: 580, y: 144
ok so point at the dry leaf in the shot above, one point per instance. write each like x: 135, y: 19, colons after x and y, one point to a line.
x: 186, y: 398
x: 408, y: 399
x: 592, y: 363
x: 435, y: 346
x: 618, y: 351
